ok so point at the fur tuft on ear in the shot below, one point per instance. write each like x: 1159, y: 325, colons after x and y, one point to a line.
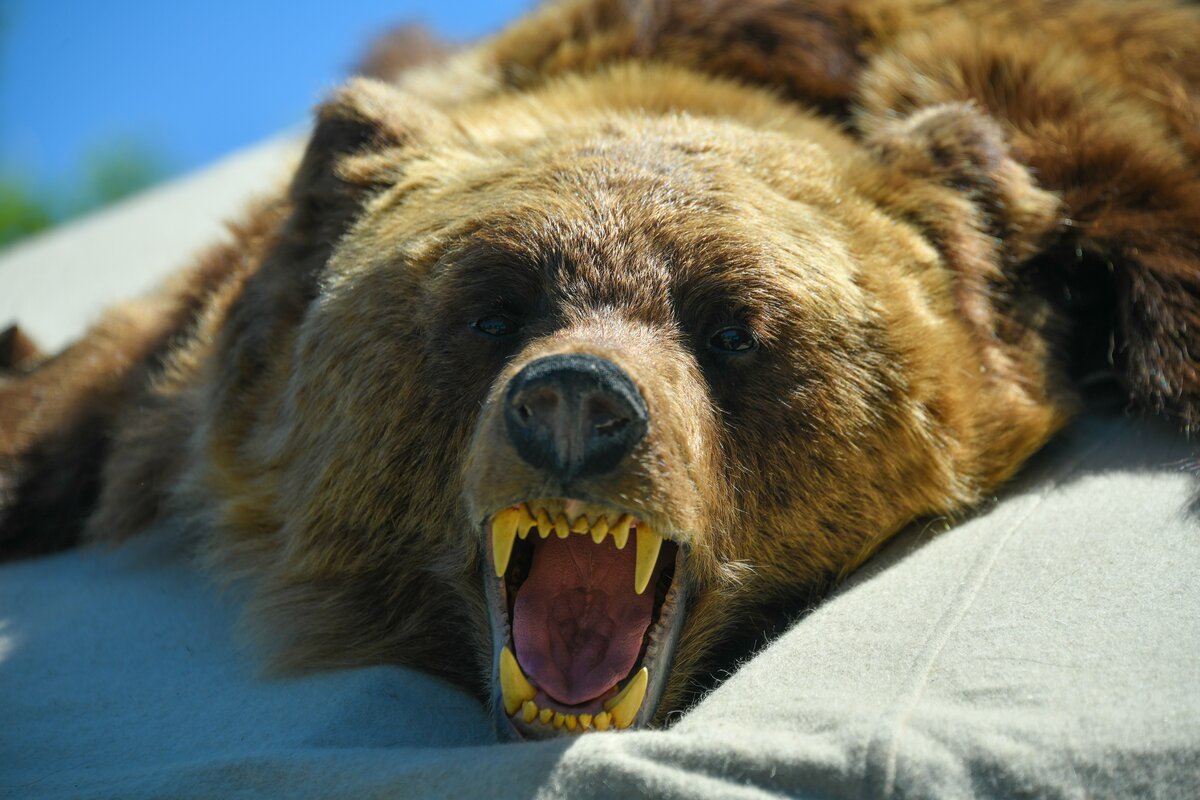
x: 357, y: 135
x: 955, y: 146
x: 947, y: 171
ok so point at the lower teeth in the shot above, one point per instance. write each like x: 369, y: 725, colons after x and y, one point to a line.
x: 518, y: 693
x: 575, y: 723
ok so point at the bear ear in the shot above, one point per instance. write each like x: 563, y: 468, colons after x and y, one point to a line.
x: 363, y: 139
x: 954, y: 146
x: 1126, y: 282
x: 357, y: 147
x: 947, y: 171
x: 17, y: 350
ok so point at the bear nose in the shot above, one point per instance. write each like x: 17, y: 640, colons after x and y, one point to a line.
x: 574, y: 415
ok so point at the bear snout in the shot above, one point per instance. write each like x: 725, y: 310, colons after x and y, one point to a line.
x: 574, y: 415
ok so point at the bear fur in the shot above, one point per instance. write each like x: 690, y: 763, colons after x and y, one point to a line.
x: 937, y: 221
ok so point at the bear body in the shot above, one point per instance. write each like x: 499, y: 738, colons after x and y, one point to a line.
x: 565, y: 362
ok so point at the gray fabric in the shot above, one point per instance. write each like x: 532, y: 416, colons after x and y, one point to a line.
x: 1050, y: 646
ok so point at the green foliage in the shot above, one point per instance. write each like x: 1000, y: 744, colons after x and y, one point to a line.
x: 20, y: 213
x: 111, y: 172
x: 114, y: 170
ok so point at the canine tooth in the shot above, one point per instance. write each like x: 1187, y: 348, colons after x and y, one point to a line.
x: 545, y: 715
x: 529, y: 710
x: 620, y: 531
x: 572, y: 722
x: 585, y: 721
x: 525, y: 521
x: 504, y: 533
x: 648, y: 545
x: 602, y: 721
x: 580, y: 525
x: 624, y: 706
x: 599, y: 530
x: 515, y: 688
x: 559, y: 719
x: 562, y: 527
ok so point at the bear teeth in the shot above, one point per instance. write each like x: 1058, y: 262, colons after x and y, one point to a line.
x: 518, y: 695
x: 515, y: 688
x: 519, y: 520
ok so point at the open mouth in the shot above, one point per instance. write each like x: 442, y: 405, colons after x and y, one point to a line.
x: 585, y: 603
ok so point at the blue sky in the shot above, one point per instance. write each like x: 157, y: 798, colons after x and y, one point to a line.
x: 191, y: 80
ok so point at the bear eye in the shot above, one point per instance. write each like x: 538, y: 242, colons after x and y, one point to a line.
x: 733, y: 339
x: 496, y: 325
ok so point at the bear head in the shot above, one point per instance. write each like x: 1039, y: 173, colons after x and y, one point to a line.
x: 558, y: 393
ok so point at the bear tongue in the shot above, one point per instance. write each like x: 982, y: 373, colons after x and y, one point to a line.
x: 577, y: 623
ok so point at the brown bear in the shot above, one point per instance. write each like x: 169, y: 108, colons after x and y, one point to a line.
x: 567, y: 361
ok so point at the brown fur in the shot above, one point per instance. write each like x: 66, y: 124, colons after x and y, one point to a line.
x: 17, y: 351
x: 399, y: 49
x: 627, y: 175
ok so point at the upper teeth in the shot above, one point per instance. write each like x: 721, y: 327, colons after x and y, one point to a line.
x: 509, y: 523
x: 648, y: 545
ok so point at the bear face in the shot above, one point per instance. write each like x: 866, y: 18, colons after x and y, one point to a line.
x: 571, y: 396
